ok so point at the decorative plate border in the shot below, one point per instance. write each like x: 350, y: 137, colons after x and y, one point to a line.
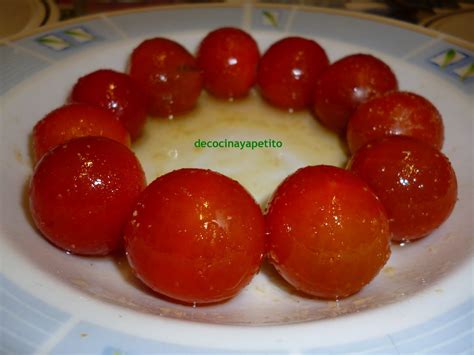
x: 31, y: 325
x: 30, y: 53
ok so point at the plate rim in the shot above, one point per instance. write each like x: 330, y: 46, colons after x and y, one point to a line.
x: 184, y: 7
x: 293, y: 7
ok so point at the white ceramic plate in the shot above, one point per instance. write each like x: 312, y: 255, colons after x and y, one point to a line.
x: 53, y: 302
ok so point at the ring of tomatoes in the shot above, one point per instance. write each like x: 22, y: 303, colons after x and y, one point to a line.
x: 196, y: 235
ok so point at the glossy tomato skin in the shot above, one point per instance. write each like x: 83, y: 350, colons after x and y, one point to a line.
x: 228, y: 58
x: 169, y: 75
x: 347, y: 83
x: 82, y: 192
x: 74, y: 121
x: 116, y: 92
x: 414, y: 181
x: 195, y: 236
x: 288, y: 71
x: 395, y: 113
x: 328, y: 233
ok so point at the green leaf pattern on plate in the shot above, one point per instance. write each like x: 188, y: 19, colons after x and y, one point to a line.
x: 466, y: 72
x: 448, y: 57
x: 454, y: 62
x: 270, y: 17
x: 53, y: 42
x: 79, y: 33
x: 75, y: 36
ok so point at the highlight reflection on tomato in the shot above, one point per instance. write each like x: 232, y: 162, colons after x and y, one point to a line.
x: 229, y: 58
x: 169, y: 75
x: 82, y: 192
x: 74, y: 121
x: 414, y: 181
x: 328, y: 233
x: 116, y: 92
x: 196, y: 236
x: 395, y: 113
x: 288, y: 71
x: 346, y: 84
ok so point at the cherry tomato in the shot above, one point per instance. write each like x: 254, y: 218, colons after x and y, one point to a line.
x: 169, y: 74
x: 395, y: 113
x: 82, y: 192
x: 288, y: 70
x: 117, y: 92
x: 347, y: 83
x: 414, y: 181
x: 73, y: 121
x: 228, y: 57
x: 328, y: 233
x: 196, y: 236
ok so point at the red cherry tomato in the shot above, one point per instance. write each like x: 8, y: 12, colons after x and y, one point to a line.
x: 328, y: 233
x: 196, y: 236
x: 288, y: 70
x: 73, y: 121
x: 395, y: 113
x: 228, y: 58
x: 82, y: 192
x: 169, y: 75
x: 118, y: 93
x: 414, y: 181
x: 347, y: 83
